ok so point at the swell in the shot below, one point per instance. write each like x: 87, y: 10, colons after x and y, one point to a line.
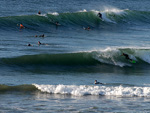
x: 107, y: 57
x: 76, y: 19
x: 19, y: 88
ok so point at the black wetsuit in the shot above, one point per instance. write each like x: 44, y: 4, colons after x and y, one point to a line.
x: 127, y: 56
x: 98, y: 83
x: 100, y: 15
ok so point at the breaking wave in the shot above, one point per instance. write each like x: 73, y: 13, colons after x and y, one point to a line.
x: 80, y: 90
x: 107, y: 57
x: 76, y: 19
x: 94, y: 90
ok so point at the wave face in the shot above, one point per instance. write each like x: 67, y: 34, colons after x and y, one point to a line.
x: 20, y: 88
x: 81, y: 18
x: 108, y: 57
x: 94, y: 90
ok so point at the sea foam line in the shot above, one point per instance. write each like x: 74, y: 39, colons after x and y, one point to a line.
x: 95, y: 90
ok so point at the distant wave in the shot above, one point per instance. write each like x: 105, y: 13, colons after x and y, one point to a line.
x: 107, y: 57
x: 81, y: 18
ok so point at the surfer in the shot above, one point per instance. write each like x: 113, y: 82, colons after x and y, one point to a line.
x: 41, y: 35
x: 88, y: 28
x: 39, y: 12
x: 100, y: 15
x: 57, y: 23
x: 39, y: 43
x: 127, y: 56
x: 29, y: 45
x: 21, y: 26
x: 97, y: 82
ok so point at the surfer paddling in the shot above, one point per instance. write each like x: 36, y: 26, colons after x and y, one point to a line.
x: 97, y: 82
x: 40, y: 35
x: 39, y: 43
x: 29, y: 45
x: 88, y: 28
x: 21, y: 26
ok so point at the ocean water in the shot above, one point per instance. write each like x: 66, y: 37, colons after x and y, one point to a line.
x: 58, y: 75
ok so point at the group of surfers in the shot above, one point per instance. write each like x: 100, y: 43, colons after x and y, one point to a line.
x: 88, y: 28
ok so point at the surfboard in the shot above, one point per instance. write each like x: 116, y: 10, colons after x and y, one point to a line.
x: 133, y: 61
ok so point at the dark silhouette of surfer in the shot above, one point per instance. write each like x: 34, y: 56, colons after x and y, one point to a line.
x: 97, y: 82
x: 100, y: 15
x: 39, y: 12
x: 41, y: 35
x: 29, y: 45
x: 57, y: 23
x: 39, y: 43
x: 126, y: 56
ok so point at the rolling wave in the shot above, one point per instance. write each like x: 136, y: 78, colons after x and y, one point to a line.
x: 80, y: 90
x: 95, y: 90
x: 106, y: 57
x: 88, y: 18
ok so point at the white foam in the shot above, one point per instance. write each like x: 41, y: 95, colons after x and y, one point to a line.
x: 94, y: 90
x: 54, y: 13
x: 114, y: 10
x: 45, y: 15
x: 109, y: 55
x: 84, y: 10
x: 104, y: 17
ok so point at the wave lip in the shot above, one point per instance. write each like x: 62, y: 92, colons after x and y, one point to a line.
x: 95, y: 90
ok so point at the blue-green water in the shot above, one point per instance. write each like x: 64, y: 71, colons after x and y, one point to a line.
x: 59, y: 74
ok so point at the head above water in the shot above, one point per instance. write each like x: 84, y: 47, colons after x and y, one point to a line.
x: 39, y: 12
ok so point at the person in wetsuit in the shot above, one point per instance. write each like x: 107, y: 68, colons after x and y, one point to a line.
x: 127, y: 56
x: 100, y: 15
x: 97, y: 82
x: 21, y: 26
